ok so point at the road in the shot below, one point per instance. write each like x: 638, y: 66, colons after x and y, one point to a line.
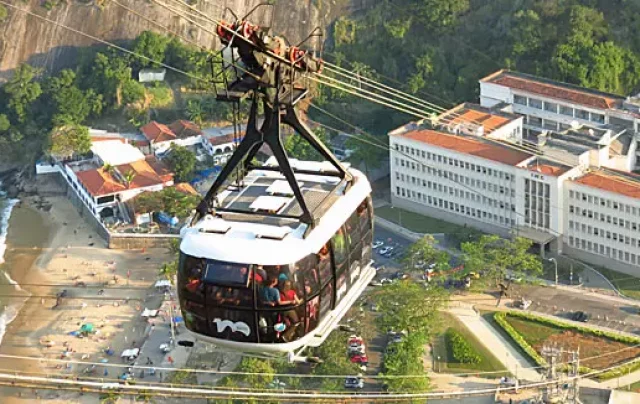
x: 563, y: 303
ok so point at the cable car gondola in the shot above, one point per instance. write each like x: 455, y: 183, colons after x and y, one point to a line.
x: 275, y: 254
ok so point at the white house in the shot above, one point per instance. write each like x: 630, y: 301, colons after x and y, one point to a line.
x: 160, y: 137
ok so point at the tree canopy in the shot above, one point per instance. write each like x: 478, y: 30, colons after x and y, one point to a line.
x: 297, y: 147
x: 182, y: 161
x: 167, y: 200
x: 70, y: 139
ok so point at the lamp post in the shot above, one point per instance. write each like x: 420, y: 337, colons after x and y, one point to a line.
x: 556, y: 267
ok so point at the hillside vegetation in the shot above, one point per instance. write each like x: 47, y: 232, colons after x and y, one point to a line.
x: 441, y: 48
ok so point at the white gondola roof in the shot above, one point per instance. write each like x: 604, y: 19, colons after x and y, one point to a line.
x: 274, y: 241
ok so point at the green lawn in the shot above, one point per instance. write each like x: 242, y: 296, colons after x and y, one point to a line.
x: 488, y: 363
x: 534, y: 333
x: 627, y: 284
x: 162, y: 96
x: 415, y: 222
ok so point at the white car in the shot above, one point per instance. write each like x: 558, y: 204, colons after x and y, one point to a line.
x: 377, y: 244
x: 353, y: 383
x: 385, y: 250
x: 375, y: 283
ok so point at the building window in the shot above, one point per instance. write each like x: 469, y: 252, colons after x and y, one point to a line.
x: 551, y: 107
x: 535, y: 121
x: 550, y: 125
x: 599, y: 118
x: 566, y: 110
x: 535, y: 103
x: 582, y: 114
x: 518, y: 99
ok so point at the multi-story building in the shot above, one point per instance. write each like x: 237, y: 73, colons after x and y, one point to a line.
x: 483, y: 184
x: 574, y: 193
x: 553, y: 105
x: 603, y: 219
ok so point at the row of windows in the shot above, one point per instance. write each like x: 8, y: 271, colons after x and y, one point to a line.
x: 456, y: 178
x: 629, y: 225
x: 558, y: 109
x: 447, y: 160
x: 604, y: 234
x: 600, y: 249
x: 458, y: 193
x: 582, y: 196
x: 454, y: 207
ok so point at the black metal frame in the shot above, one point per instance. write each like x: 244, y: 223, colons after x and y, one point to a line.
x: 279, y: 87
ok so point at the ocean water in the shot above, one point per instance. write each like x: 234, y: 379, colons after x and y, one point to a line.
x: 12, y: 297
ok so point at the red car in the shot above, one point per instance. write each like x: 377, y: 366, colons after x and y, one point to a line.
x: 360, y: 359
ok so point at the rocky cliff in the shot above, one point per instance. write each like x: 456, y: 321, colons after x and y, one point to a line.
x: 25, y: 38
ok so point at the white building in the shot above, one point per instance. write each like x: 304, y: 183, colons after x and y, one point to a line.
x: 471, y: 181
x: 160, y: 137
x: 603, y: 220
x: 548, y: 105
x: 476, y: 120
x: 220, y: 146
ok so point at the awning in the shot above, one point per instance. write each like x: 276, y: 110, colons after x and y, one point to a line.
x: 149, y: 313
x: 535, y: 235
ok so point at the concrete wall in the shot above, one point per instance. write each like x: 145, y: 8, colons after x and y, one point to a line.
x: 84, y: 211
x: 139, y: 241
x: 449, y: 217
x: 600, y: 260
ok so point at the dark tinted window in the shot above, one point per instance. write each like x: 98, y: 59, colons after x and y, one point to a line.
x: 308, y: 271
x: 225, y: 296
x: 326, y: 300
x: 339, y: 242
x: 324, y: 265
x: 226, y: 273
x: 312, y: 314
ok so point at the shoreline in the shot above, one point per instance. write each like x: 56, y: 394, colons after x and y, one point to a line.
x: 51, y: 248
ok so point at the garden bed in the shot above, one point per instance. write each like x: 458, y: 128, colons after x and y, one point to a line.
x: 443, y: 347
x: 598, y: 349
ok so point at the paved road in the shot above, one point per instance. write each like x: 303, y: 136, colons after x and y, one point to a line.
x: 563, y: 303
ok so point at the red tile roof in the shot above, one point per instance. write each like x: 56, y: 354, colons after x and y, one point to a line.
x: 220, y: 140
x: 612, y: 183
x: 478, y: 148
x: 156, y: 132
x: 467, y: 114
x: 99, y: 182
x: 556, y: 90
x: 160, y: 168
x: 183, y: 129
x: 186, y: 188
x: 547, y: 169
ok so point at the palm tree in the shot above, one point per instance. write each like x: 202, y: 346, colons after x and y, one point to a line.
x: 128, y: 177
x: 108, y: 168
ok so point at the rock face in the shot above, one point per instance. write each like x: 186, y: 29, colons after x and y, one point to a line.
x: 25, y: 38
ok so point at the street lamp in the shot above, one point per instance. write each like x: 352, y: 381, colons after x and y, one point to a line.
x: 556, y: 266
x: 399, y: 215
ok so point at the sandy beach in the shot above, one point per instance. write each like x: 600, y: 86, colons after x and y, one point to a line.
x: 56, y: 250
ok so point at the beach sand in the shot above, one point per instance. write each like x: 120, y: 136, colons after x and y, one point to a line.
x: 49, y: 252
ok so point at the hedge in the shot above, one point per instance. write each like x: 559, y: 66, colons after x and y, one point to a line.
x: 500, y: 318
x: 462, y: 351
x: 568, y: 326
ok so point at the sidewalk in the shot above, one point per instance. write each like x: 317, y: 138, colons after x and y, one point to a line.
x: 502, y: 349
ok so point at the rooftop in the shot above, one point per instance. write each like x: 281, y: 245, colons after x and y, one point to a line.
x: 624, y: 184
x: 100, y: 182
x: 115, y: 152
x: 183, y: 129
x: 547, y: 167
x: 157, y: 132
x: 473, y: 114
x: 555, y: 89
x: 461, y: 144
x: 219, y: 140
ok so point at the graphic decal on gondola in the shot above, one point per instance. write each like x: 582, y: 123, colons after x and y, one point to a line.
x: 237, y: 326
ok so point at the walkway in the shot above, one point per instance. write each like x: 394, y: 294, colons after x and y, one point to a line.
x: 502, y: 349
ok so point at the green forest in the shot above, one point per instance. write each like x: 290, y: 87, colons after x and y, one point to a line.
x: 439, y: 49
x: 436, y: 49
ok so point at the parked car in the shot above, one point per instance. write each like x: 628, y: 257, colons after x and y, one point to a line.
x: 522, y: 303
x: 580, y: 316
x: 400, y: 275
x: 375, y: 283
x: 356, y: 345
x: 352, y: 382
x: 377, y: 244
x: 396, y: 336
x: 508, y: 382
x: 359, y: 358
x: 385, y: 281
x: 385, y: 250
